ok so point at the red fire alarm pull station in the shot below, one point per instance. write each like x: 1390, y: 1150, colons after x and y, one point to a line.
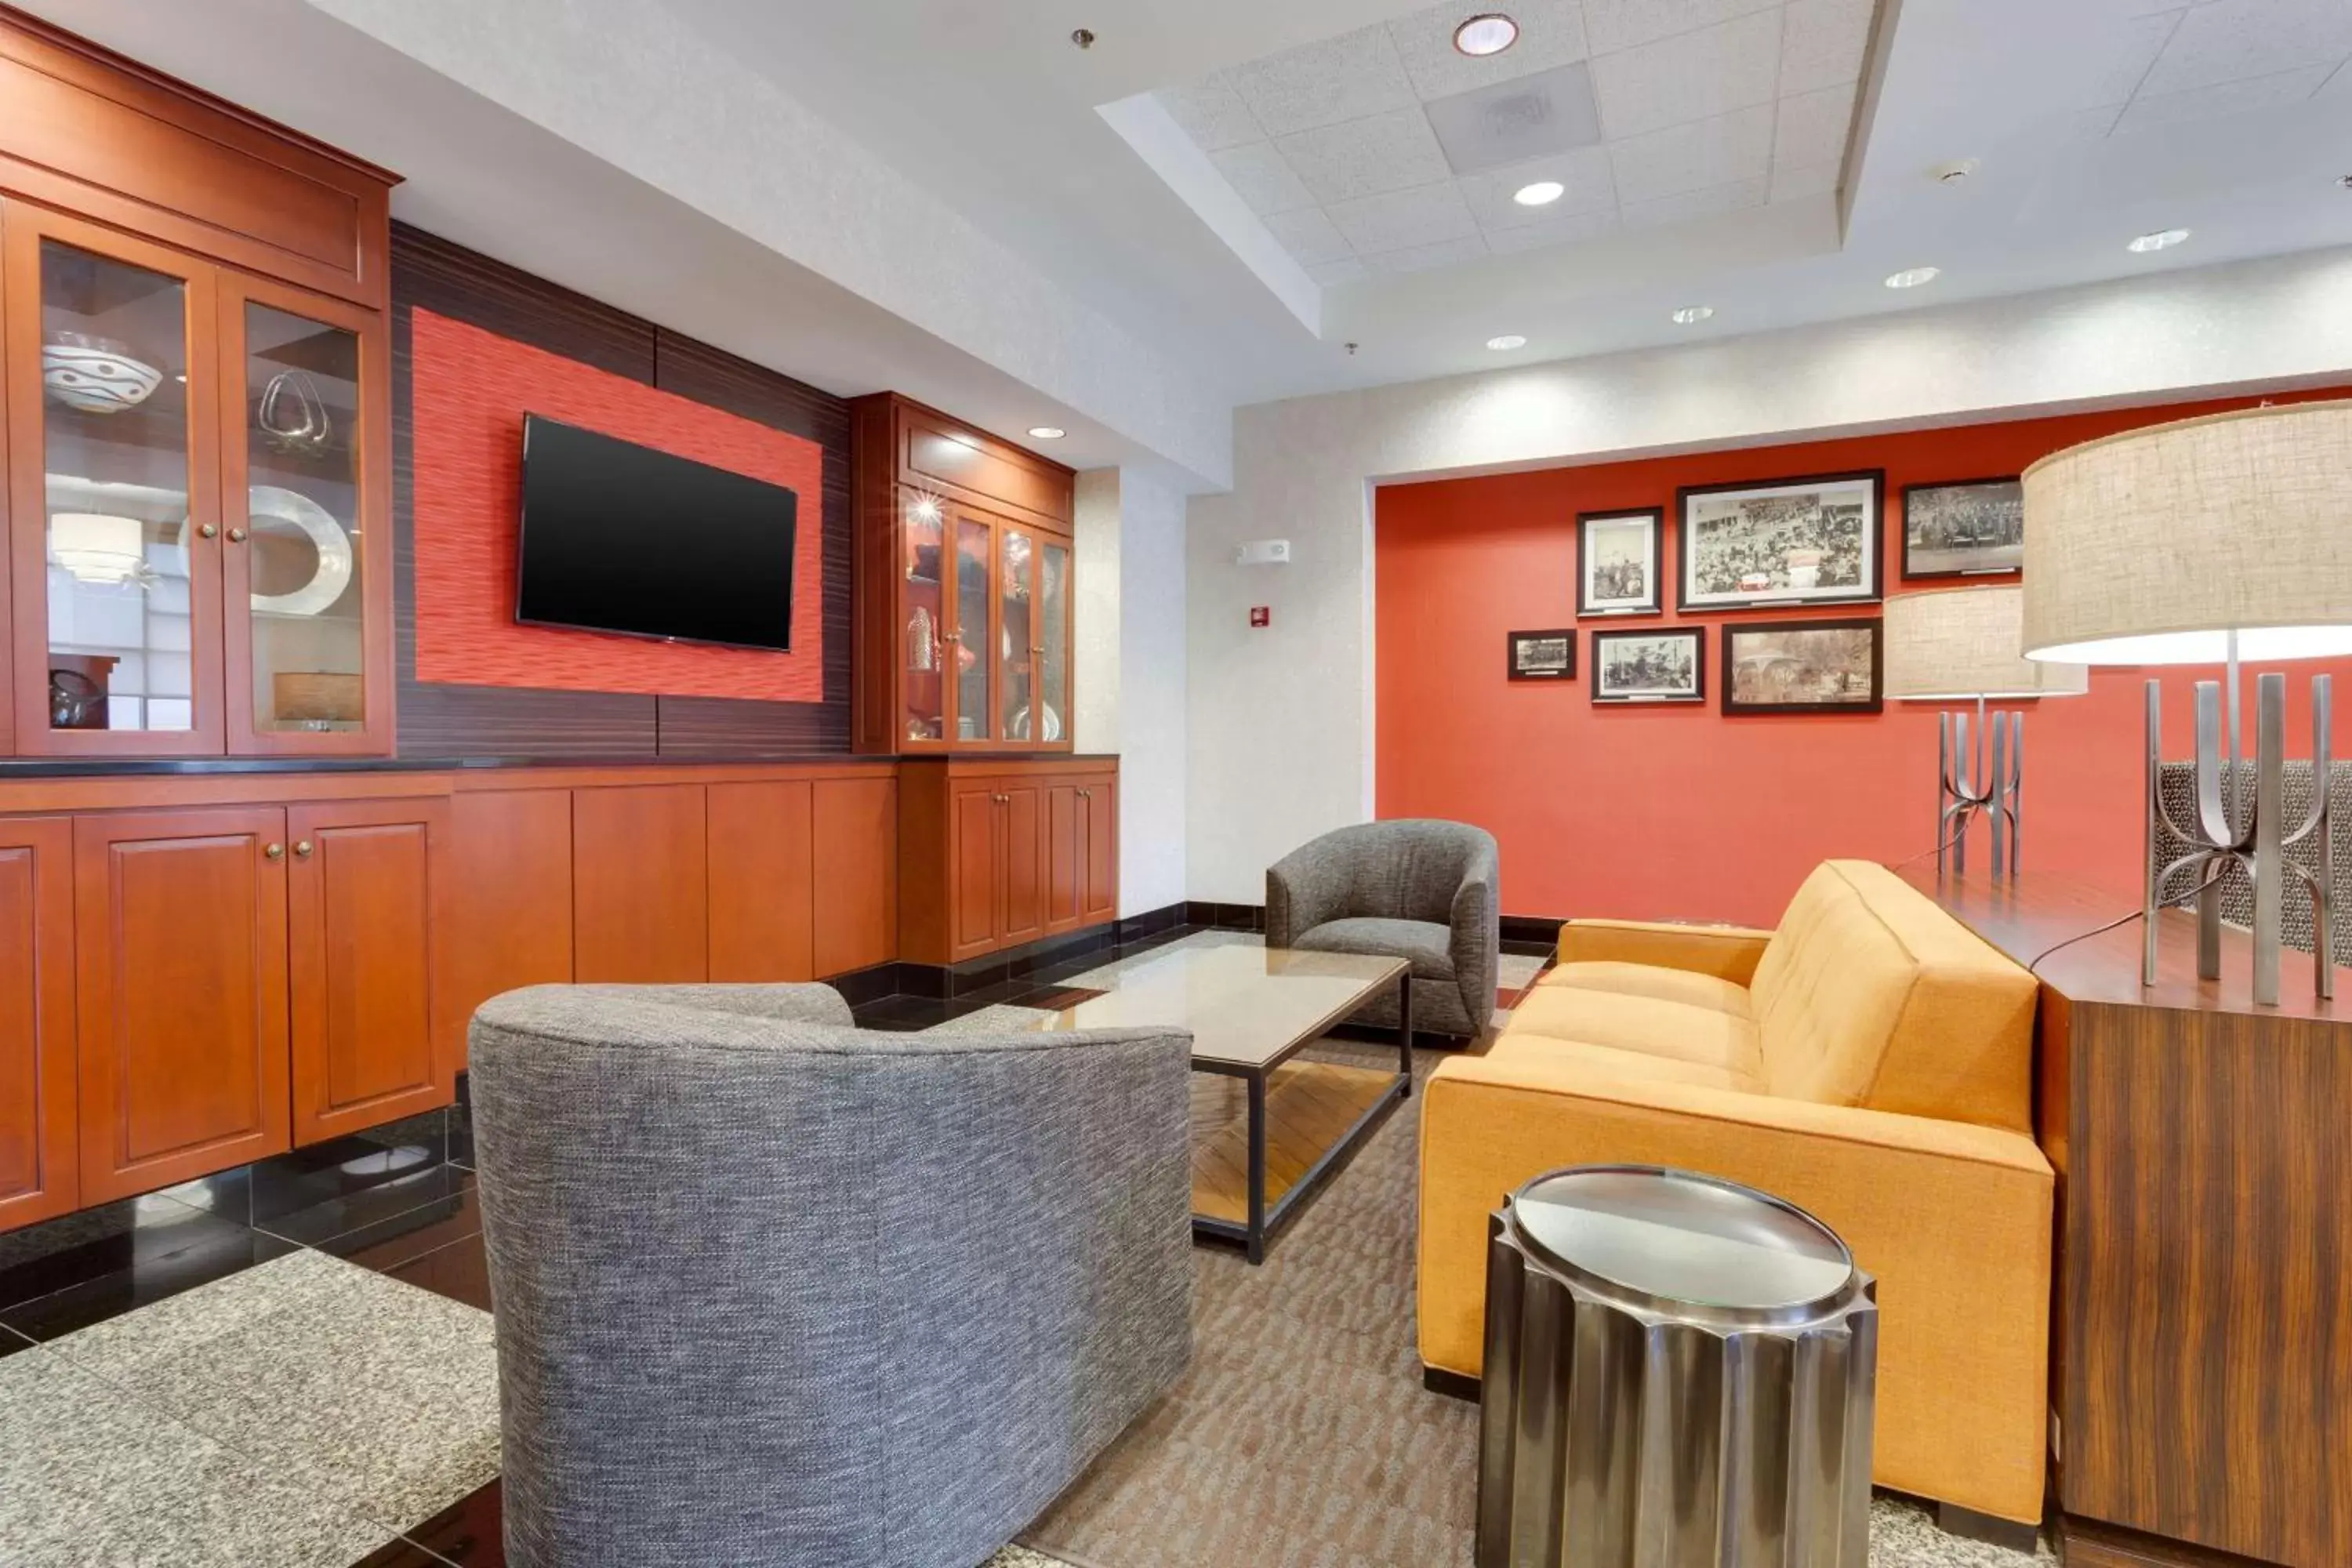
x: 1261, y: 614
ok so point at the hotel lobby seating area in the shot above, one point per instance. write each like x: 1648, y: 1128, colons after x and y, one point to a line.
x: 1154, y: 786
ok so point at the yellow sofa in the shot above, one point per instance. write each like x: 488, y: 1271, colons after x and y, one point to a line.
x: 1871, y: 1061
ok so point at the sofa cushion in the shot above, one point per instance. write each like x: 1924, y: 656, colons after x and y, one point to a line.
x: 1870, y: 995
x: 1652, y: 980
x: 1644, y: 1025
x: 1608, y: 1064
x: 1426, y: 945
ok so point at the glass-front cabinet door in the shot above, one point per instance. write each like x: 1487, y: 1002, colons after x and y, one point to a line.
x: 304, y: 508
x: 1053, y: 641
x: 1016, y: 582
x: 923, y: 652
x: 113, y: 490
x: 973, y: 654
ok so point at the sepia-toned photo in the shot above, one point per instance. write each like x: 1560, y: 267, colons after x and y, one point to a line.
x: 1617, y: 562
x: 1650, y: 667
x: 1802, y: 666
x: 1543, y: 656
x: 1963, y: 530
x: 1799, y: 542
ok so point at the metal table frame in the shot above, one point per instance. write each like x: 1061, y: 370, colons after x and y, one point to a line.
x: 1263, y: 1222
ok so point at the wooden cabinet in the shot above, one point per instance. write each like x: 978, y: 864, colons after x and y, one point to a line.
x: 762, y: 866
x: 854, y: 872
x: 180, y: 958
x: 364, y: 943
x: 196, y: 380
x: 994, y: 854
x: 640, y: 885
x: 965, y: 609
x: 39, y: 1174
x: 508, y: 902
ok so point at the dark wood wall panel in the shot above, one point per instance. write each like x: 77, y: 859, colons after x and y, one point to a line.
x: 445, y: 720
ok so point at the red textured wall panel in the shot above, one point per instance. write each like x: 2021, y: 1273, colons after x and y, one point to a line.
x: 470, y: 390
x: 1682, y: 812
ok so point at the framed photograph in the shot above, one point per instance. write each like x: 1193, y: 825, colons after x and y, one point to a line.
x: 1662, y: 664
x: 1793, y: 542
x: 1544, y: 656
x: 1969, y: 527
x: 1617, y: 563
x: 1802, y: 667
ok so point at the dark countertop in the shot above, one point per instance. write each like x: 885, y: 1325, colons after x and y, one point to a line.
x: 184, y: 767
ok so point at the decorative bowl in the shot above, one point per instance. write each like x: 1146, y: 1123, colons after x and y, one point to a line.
x: 97, y: 375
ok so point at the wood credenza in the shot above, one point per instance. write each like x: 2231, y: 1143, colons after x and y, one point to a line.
x: 996, y: 852
x: 201, y: 970
x: 2201, y: 1375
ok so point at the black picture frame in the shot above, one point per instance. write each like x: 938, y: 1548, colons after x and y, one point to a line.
x: 1696, y: 695
x: 1517, y: 669
x: 1654, y: 602
x: 1912, y: 574
x: 1871, y: 538
x: 1738, y: 632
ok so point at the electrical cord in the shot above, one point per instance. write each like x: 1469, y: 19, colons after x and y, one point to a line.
x: 1938, y: 849
x: 2035, y: 967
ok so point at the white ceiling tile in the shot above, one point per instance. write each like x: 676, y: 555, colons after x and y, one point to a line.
x: 1403, y: 220
x: 1613, y: 25
x: 1559, y: 231
x: 1513, y: 121
x: 1585, y: 173
x: 1332, y: 274
x: 1422, y: 258
x: 1813, y: 126
x: 2151, y: 108
x: 1260, y: 177
x: 2115, y: 60
x: 2234, y: 39
x: 1309, y: 236
x: 1822, y: 43
x: 1391, y: 151
x: 1690, y: 205
x: 1689, y: 77
x: 1211, y: 113
x: 1342, y: 78
x: 1718, y: 152
x: 1793, y: 182
x: 1551, y: 33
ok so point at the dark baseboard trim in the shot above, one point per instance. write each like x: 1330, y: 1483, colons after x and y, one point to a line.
x: 1539, y: 928
x: 860, y: 986
x: 1452, y: 1384
x: 1226, y: 916
x: 1991, y: 1529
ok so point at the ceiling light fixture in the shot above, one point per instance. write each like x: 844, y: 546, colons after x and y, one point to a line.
x: 1489, y: 34
x: 2162, y: 240
x: 1912, y: 277
x: 1543, y: 193
x: 1047, y: 431
x: 1506, y: 342
x: 1692, y: 315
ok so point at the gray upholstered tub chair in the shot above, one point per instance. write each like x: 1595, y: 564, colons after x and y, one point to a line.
x: 1413, y: 889
x: 772, y: 1291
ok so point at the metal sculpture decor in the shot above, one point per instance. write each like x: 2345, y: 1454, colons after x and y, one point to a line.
x: 2227, y: 829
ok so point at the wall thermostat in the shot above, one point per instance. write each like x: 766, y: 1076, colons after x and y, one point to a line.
x: 1264, y: 553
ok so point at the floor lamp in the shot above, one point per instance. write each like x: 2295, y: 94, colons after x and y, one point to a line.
x: 2212, y: 540
x: 1962, y: 646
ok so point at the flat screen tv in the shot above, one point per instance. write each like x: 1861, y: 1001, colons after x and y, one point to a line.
x: 620, y: 538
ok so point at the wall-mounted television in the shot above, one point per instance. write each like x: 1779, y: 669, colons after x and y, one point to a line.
x: 620, y: 537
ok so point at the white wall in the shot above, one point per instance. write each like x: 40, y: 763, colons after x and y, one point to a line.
x: 1130, y: 669
x: 1281, y: 719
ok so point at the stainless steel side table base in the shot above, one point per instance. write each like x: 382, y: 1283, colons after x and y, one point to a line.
x: 1680, y: 1371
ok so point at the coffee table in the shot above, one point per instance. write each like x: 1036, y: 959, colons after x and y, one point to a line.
x: 1251, y: 1010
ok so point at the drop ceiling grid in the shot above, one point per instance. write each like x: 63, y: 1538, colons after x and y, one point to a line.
x: 2175, y: 60
x: 1704, y: 107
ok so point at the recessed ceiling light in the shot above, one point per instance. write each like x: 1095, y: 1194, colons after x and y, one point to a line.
x: 1506, y: 342
x: 1490, y: 34
x: 1912, y: 277
x: 1543, y: 193
x: 1691, y: 315
x: 2162, y: 240
x: 1047, y: 431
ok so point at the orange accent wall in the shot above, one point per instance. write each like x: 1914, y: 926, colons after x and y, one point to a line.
x: 1681, y: 812
x: 471, y: 390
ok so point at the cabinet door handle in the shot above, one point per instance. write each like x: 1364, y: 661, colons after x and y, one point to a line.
x: 208, y: 531
x: 237, y: 536
x: 302, y: 848
x: 273, y: 851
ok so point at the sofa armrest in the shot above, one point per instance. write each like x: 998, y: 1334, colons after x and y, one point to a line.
x: 1303, y: 890
x: 1953, y: 1218
x: 1727, y: 952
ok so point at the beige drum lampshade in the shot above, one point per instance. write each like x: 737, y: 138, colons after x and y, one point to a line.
x: 2151, y: 546
x: 1964, y: 644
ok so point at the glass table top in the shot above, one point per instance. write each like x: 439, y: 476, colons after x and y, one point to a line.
x: 1246, y: 1007
x: 1682, y: 1238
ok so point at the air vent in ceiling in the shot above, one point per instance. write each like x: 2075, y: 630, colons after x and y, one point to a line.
x: 1511, y: 121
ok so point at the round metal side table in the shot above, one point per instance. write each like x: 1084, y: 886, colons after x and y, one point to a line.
x: 1680, y: 1371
